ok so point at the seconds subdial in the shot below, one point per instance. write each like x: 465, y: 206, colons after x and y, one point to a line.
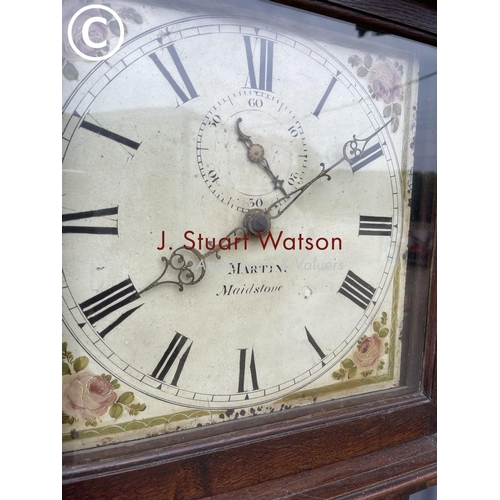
x: 232, y: 175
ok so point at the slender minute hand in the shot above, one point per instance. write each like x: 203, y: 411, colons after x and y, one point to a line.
x: 353, y: 151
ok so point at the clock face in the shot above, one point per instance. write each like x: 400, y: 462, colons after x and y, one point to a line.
x: 234, y: 218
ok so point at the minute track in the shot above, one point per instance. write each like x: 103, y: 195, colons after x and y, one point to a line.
x: 164, y: 186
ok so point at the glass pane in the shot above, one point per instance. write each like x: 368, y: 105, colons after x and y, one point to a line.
x: 248, y: 214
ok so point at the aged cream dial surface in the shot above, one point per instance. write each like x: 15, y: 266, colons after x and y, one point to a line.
x: 202, y: 116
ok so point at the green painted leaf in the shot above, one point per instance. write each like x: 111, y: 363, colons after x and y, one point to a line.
x: 336, y: 375
x: 80, y: 363
x: 362, y: 71
x: 107, y: 15
x: 387, y: 112
x: 383, y: 332
x: 133, y: 410
x: 394, y: 125
x: 133, y: 15
x: 368, y: 61
x: 66, y: 419
x: 347, y: 363
x: 66, y: 370
x: 93, y: 422
x: 114, y: 27
x: 376, y: 326
x: 396, y: 108
x: 116, y: 411
x: 352, y: 372
x: 103, y: 51
x: 70, y: 72
x: 126, y: 398
x: 354, y: 61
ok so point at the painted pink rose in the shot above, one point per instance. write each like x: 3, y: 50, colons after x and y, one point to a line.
x: 385, y: 81
x: 86, y: 395
x: 98, y: 32
x: 369, y: 352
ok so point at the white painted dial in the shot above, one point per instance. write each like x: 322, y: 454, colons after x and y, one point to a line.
x: 144, y: 136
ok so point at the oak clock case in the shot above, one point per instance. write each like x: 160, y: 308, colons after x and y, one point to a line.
x: 235, y: 219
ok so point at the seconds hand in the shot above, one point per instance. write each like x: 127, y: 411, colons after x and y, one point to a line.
x: 256, y: 154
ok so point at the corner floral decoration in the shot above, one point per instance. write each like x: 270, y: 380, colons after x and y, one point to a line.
x: 385, y: 83
x: 98, y: 33
x: 89, y: 396
x: 366, y: 357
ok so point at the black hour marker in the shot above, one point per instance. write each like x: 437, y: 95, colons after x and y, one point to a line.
x: 91, y: 214
x: 264, y: 63
x: 119, y: 320
x: 315, y: 346
x: 370, y: 154
x: 114, y: 298
x: 191, y: 92
x: 243, y: 371
x: 357, y: 290
x: 176, y: 350
x: 321, y: 103
x: 375, y: 226
x: 110, y: 135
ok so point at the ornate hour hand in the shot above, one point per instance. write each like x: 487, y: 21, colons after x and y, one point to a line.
x: 353, y: 151
x: 256, y: 154
x: 188, y: 267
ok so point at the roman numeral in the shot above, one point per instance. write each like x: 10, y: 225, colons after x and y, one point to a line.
x: 183, y: 96
x: 370, y: 154
x: 244, y: 369
x: 315, y: 346
x: 113, y: 299
x: 264, y: 63
x: 321, y: 103
x: 374, y: 226
x: 177, y: 351
x: 96, y: 129
x: 104, y: 213
x: 357, y: 290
